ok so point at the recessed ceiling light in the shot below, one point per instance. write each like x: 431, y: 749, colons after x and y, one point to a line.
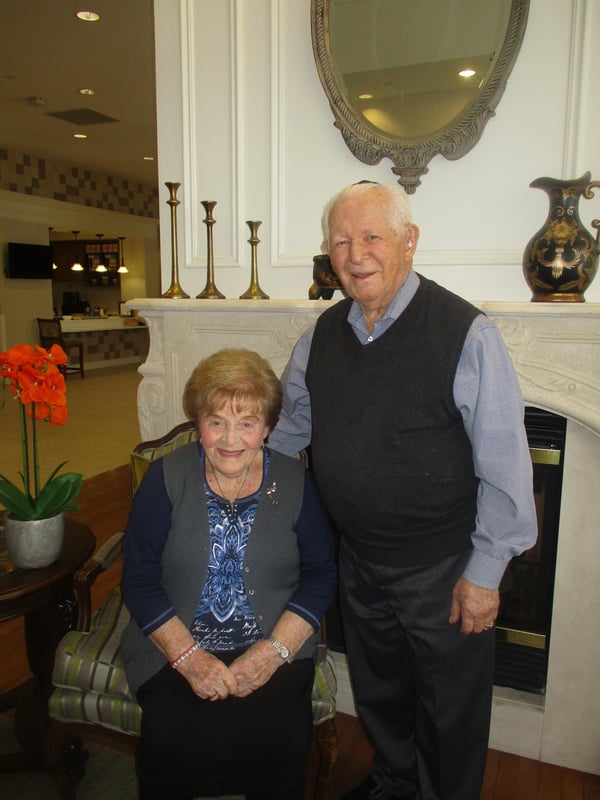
x: 467, y: 73
x: 80, y: 135
x: 87, y: 16
x: 87, y: 91
x: 148, y: 158
x: 365, y: 96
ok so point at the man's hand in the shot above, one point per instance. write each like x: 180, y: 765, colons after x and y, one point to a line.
x: 475, y: 606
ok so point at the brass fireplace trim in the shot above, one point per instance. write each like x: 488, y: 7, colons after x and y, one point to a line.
x: 523, y: 638
x: 545, y: 455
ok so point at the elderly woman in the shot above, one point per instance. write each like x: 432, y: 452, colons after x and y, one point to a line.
x: 228, y: 569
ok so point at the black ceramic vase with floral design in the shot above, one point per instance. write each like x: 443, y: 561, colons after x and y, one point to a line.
x: 561, y: 260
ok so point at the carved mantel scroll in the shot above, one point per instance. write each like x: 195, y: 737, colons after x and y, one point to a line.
x: 182, y: 332
x: 556, y: 357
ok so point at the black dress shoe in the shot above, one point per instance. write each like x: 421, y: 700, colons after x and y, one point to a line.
x: 369, y: 790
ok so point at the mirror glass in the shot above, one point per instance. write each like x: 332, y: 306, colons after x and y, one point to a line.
x: 407, y: 80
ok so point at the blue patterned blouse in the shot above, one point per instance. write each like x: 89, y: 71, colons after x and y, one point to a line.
x: 224, y: 619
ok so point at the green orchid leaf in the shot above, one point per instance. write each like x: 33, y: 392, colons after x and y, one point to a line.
x: 58, y: 494
x: 14, y: 500
x: 72, y: 507
x: 55, y: 472
x: 4, y: 478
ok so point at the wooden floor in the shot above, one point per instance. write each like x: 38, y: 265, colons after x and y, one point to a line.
x: 507, y: 777
x: 105, y: 502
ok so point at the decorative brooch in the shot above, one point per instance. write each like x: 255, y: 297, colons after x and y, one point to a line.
x: 271, y: 493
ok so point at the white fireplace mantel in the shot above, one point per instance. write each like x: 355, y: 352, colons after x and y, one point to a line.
x: 555, y: 348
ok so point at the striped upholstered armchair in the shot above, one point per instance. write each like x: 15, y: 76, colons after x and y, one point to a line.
x: 91, y: 697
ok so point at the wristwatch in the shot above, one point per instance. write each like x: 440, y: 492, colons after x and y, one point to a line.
x: 281, y: 649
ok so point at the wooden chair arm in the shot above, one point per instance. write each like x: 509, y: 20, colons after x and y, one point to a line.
x: 84, y: 578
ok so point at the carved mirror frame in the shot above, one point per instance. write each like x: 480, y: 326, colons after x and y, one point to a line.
x: 411, y: 156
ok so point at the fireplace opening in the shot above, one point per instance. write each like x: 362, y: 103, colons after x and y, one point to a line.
x: 525, y: 618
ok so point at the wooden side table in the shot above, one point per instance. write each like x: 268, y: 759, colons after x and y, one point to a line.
x: 45, y: 598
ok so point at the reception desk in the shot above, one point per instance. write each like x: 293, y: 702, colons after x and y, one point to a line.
x: 108, y: 341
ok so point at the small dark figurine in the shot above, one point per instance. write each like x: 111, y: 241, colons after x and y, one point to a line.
x: 325, y: 281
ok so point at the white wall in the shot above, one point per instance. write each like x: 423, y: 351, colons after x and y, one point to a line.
x: 243, y: 120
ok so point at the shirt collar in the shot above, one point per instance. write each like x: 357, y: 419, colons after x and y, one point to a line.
x: 399, y: 303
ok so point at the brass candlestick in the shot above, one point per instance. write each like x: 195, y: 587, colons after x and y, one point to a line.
x: 210, y: 291
x: 254, y: 291
x: 174, y: 290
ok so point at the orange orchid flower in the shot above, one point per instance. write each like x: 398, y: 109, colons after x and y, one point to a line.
x: 57, y: 354
x: 32, y: 374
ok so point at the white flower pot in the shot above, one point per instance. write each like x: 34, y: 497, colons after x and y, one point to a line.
x: 36, y: 542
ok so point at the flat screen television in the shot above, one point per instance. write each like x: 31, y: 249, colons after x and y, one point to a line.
x: 31, y: 261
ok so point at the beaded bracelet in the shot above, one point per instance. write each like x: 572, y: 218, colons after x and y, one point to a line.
x: 191, y: 649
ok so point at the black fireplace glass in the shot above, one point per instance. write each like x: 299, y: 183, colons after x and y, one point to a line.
x: 524, y: 622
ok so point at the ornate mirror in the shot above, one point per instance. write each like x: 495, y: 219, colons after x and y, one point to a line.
x: 408, y: 79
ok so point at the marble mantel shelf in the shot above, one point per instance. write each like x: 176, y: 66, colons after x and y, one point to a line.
x: 489, y: 306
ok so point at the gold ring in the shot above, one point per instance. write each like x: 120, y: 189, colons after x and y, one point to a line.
x: 488, y: 625
x: 215, y: 693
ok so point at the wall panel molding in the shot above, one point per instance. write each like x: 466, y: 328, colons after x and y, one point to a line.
x: 577, y: 57
x: 211, y: 135
x: 277, y: 83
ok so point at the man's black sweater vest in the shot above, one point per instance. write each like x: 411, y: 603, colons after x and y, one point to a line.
x: 392, y: 460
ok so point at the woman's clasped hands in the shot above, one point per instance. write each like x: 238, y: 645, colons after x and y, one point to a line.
x: 213, y: 680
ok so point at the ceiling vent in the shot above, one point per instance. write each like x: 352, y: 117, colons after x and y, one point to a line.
x: 82, y: 116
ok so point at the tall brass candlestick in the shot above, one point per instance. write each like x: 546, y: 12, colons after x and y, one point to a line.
x: 210, y: 291
x: 254, y: 291
x: 174, y: 290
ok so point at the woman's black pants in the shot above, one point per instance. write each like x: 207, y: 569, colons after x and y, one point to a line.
x: 258, y: 745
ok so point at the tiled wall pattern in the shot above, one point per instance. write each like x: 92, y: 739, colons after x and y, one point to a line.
x: 27, y: 174
x: 112, y: 345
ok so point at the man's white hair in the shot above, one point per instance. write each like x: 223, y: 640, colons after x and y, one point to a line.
x: 400, y: 213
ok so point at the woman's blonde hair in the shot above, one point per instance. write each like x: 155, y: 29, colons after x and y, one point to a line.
x: 236, y: 377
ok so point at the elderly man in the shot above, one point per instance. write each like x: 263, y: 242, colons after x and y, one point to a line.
x: 415, y: 419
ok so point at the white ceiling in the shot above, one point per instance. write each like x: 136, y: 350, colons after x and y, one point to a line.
x: 48, y: 53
